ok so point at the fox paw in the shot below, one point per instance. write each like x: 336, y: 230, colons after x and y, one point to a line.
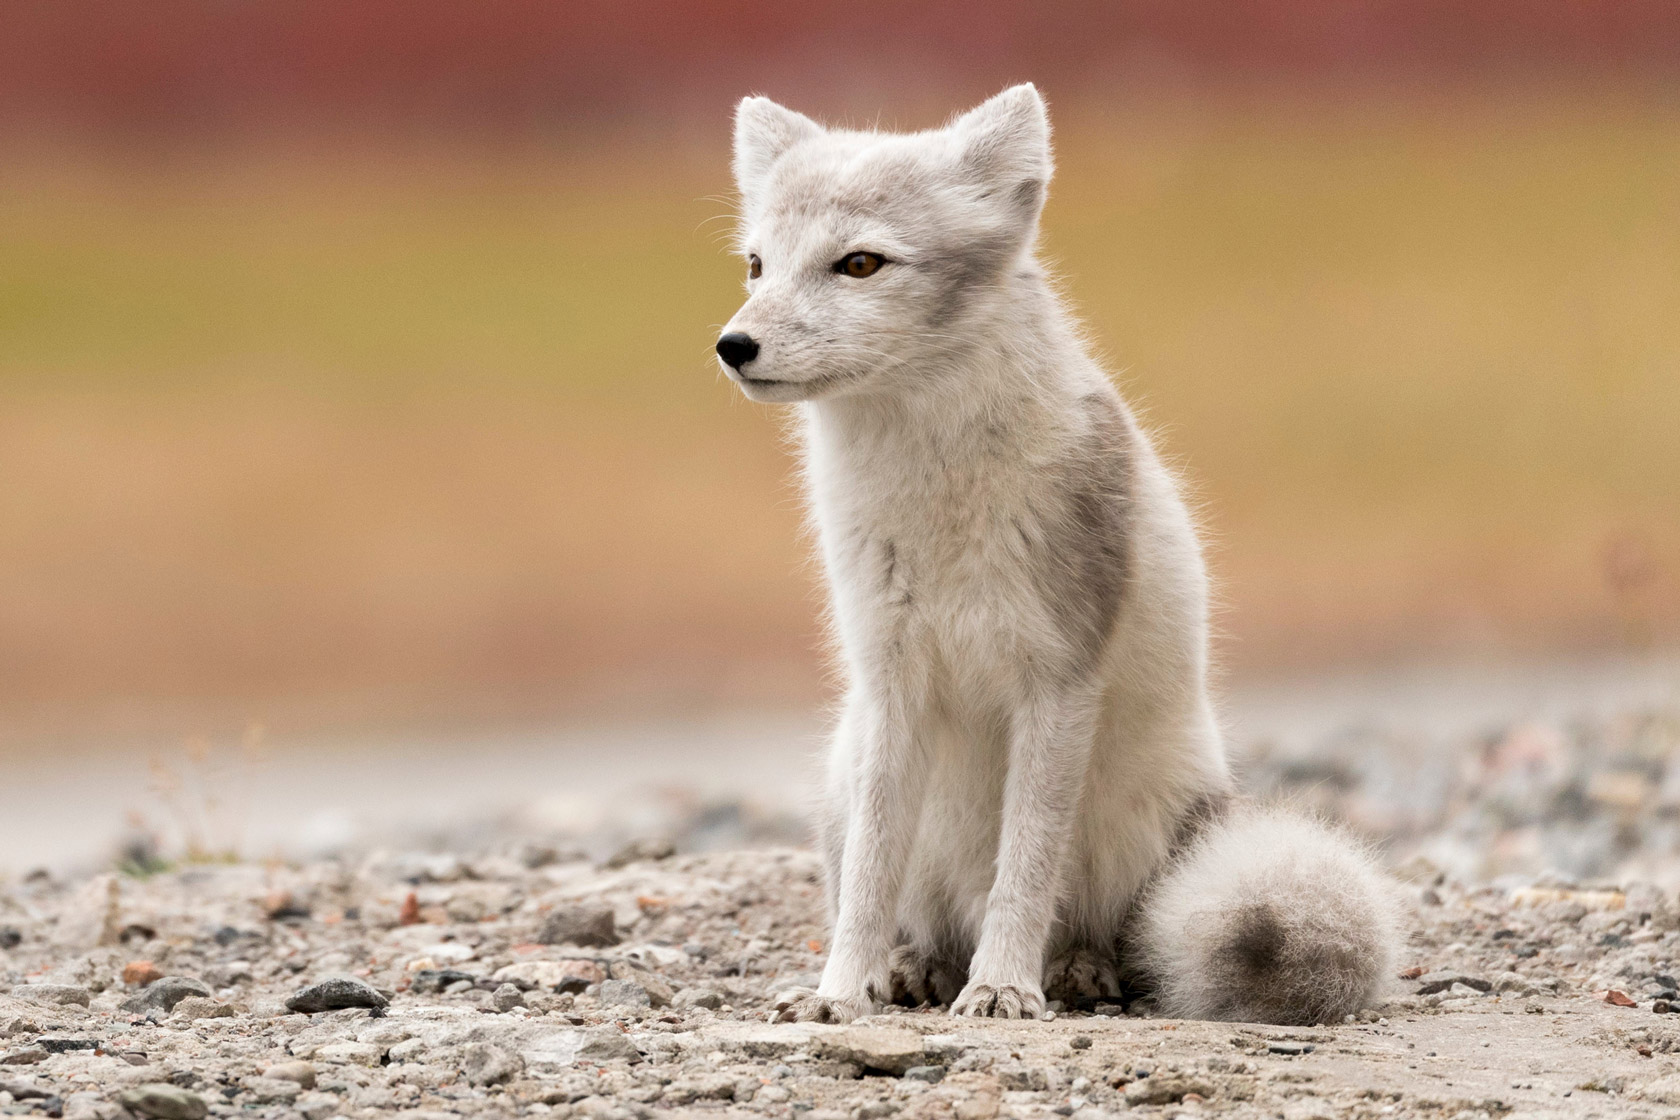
x: 920, y: 977
x: 804, y: 1005
x: 1001, y: 1001
x: 1082, y: 976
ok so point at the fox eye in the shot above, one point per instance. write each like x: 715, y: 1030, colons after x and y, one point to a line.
x: 755, y: 267
x: 859, y: 265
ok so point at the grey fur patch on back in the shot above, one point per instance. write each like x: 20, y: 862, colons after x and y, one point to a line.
x: 1087, y: 539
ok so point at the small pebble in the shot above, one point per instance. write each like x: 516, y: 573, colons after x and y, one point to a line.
x: 138, y: 974
x: 697, y: 997
x: 589, y: 927
x: 300, y: 1072
x: 334, y: 994
x: 622, y: 993
x: 507, y: 997
x: 64, y: 995
x: 163, y: 1101
x: 163, y: 994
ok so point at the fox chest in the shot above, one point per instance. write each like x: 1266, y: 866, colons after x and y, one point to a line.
x: 958, y: 585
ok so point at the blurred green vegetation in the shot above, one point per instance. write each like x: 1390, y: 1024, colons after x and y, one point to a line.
x: 393, y: 273
x: 1419, y: 358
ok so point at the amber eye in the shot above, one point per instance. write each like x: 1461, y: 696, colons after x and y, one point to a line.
x: 755, y: 267
x: 859, y: 265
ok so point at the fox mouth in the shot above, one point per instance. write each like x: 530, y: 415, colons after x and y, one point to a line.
x: 777, y: 386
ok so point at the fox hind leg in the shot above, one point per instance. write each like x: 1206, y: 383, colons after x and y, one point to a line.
x: 925, y: 976
x: 1081, y: 975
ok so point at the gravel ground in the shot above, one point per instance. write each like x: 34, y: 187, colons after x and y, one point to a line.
x: 506, y: 976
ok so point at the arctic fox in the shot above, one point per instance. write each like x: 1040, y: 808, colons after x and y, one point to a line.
x: 1027, y: 793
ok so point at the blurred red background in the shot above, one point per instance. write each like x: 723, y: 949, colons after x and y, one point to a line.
x: 354, y: 355
x: 539, y: 67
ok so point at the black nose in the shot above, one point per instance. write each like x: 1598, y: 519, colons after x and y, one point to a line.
x: 737, y: 349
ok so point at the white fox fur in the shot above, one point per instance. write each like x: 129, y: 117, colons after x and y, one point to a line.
x: 1027, y: 789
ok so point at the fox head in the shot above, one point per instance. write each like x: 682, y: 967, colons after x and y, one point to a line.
x: 871, y: 257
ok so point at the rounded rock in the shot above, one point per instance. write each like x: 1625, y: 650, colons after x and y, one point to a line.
x: 335, y: 994
x: 163, y: 994
x: 300, y: 1072
x: 163, y: 1101
x: 589, y: 927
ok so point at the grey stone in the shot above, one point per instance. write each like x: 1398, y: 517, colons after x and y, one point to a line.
x: 336, y: 993
x: 202, y: 1007
x: 272, y: 1090
x: 888, y: 1050
x: 18, y: 1024
x: 623, y: 993
x: 1432, y: 982
x: 411, y: 1050
x: 317, y: 1106
x: 589, y: 927
x: 228, y: 975
x: 507, y: 997
x: 658, y: 991
x: 705, y: 1086
x: 165, y: 993
x: 645, y: 848
x: 163, y: 1101
x: 24, y: 1056
x: 24, y: 1090
x: 1510, y: 983
x: 351, y: 1053
x: 1020, y: 1077
x: 87, y: 1105
x: 485, y: 1063
x: 64, y: 995
x: 697, y: 997
x: 438, y: 979
x: 301, y: 1072
x: 1166, y: 1089
x: 603, y: 1044
x: 930, y: 1074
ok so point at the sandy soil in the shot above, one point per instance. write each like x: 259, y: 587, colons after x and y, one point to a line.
x: 168, y: 996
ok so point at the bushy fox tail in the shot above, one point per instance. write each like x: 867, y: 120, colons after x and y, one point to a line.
x: 1269, y: 917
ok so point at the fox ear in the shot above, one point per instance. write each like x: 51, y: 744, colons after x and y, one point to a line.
x: 764, y: 131
x: 1005, y: 145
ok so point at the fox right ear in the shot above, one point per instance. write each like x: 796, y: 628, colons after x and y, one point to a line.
x: 764, y: 131
x: 1005, y: 146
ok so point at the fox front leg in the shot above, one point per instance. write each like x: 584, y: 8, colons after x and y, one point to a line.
x: 1049, y: 753
x: 883, y: 770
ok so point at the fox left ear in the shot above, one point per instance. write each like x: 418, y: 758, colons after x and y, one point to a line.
x: 764, y: 131
x: 1005, y: 144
